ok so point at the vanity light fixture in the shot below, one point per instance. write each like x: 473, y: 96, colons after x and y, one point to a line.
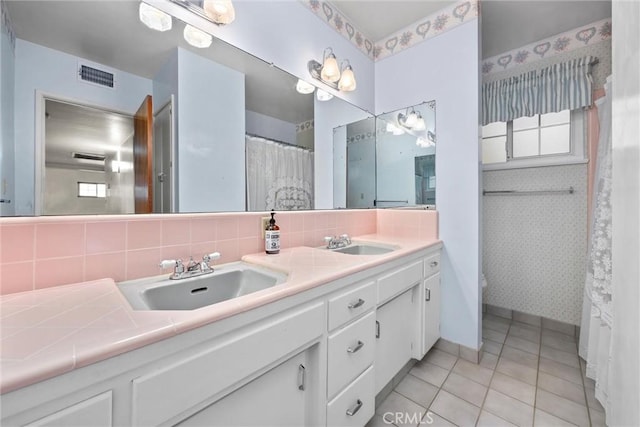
x: 410, y: 119
x: 304, y: 87
x: 154, y: 18
x: 330, y: 74
x: 423, y: 142
x: 323, y: 95
x: 197, y: 38
x: 219, y: 11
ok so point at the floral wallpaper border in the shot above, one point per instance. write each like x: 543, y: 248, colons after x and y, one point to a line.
x: 423, y: 29
x: 573, y: 39
x: 304, y: 126
x: 6, y: 25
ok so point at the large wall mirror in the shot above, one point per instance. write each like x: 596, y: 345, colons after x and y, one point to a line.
x: 387, y: 160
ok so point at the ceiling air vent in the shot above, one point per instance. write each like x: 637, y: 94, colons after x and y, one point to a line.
x: 89, y: 156
x: 96, y: 76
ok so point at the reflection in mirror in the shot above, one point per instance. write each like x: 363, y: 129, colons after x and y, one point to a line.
x: 388, y: 161
x: 405, y: 156
x: 205, y: 104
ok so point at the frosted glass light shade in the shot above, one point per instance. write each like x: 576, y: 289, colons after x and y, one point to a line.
x: 323, y: 96
x: 304, y: 87
x: 154, y: 18
x: 220, y: 11
x: 411, y: 119
x: 196, y: 37
x: 347, y: 80
x: 420, y: 124
x: 330, y: 70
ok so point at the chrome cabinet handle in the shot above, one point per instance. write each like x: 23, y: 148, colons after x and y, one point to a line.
x: 301, y: 376
x: 356, y: 304
x: 356, y: 348
x: 355, y: 408
x: 428, y: 294
x: 434, y: 263
x: 377, y: 329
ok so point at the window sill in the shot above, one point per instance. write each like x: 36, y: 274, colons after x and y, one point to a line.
x: 535, y: 163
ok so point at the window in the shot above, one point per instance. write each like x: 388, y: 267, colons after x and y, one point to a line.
x: 543, y: 139
x: 92, y: 189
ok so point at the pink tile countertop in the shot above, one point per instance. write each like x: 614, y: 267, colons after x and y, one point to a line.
x: 47, y: 332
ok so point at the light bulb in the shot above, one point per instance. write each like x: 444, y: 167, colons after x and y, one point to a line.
x: 154, y: 18
x: 348, y: 80
x: 220, y: 11
x: 196, y: 37
x: 411, y: 119
x: 304, y: 87
x: 330, y: 70
x: 420, y: 124
x: 323, y: 96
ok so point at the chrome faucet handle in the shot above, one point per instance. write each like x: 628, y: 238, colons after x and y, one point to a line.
x: 206, y: 259
x: 178, y: 266
x: 346, y: 238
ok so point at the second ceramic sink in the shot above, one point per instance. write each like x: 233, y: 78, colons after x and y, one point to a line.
x: 366, y: 248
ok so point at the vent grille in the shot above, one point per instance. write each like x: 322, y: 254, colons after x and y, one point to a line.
x: 99, y: 77
x: 89, y: 156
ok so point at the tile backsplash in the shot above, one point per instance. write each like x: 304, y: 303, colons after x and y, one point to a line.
x: 42, y: 252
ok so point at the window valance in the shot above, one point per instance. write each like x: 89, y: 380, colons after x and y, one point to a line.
x: 563, y: 86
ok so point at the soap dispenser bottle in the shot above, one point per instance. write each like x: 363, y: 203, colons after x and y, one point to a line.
x: 272, y: 236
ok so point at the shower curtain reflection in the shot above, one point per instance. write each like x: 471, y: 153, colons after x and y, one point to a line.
x: 279, y: 176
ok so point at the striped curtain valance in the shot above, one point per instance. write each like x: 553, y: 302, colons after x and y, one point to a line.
x: 563, y: 86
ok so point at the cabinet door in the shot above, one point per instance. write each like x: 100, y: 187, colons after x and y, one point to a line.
x: 394, y: 333
x: 95, y: 411
x: 431, y: 313
x: 279, y: 397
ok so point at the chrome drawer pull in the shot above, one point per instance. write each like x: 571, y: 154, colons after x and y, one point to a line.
x: 434, y: 263
x: 377, y: 329
x: 301, y: 376
x: 354, y: 410
x: 428, y: 294
x: 356, y: 348
x: 356, y: 304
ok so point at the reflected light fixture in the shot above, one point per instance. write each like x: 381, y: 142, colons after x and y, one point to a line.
x: 410, y: 119
x: 420, y: 124
x: 304, y: 87
x: 154, y: 18
x: 423, y: 142
x: 196, y: 37
x: 395, y: 130
x: 219, y: 11
x: 323, y: 96
x: 330, y: 73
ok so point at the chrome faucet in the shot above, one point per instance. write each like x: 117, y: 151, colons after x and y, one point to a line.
x: 192, y: 269
x: 336, y: 242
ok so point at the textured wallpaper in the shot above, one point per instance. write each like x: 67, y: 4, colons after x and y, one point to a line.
x: 535, y: 245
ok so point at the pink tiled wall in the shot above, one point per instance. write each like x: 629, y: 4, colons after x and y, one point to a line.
x: 49, y: 251
x: 43, y: 252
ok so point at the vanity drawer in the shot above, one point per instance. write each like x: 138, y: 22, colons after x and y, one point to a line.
x: 349, y: 305
x: 432, y: 265
x: 351, y: 351
x: 398, y: 281
x: 355, y: 405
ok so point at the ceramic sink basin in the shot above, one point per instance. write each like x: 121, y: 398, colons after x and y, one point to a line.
x: 364, y: 248
x: 228, y: 281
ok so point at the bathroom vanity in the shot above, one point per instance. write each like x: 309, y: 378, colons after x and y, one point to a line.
x: 314, y: 350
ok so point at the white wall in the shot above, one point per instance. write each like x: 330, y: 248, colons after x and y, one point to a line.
x: 445, y: 68
x: 270, y: 127
x: 625, y: 201
x: 329, y: 115
x: 210, y: 136
x: 62, y: 198
x: 56, y: 74
x: 7, y: 65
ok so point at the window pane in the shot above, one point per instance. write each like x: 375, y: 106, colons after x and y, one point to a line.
x: 555, y: 118
x: 525, y: 123
x: 494, y: 129
x: 494, y: 150
x: 86, y: 189
x: 525, y: 143
x: 555, y: 139
x: 101, y: 190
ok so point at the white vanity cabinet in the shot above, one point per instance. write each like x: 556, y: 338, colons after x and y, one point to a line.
x: 318, y: 357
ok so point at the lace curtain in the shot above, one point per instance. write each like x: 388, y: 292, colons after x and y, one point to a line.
x: 563, y: 86
x: 279, y: 176
x: 597, y: 319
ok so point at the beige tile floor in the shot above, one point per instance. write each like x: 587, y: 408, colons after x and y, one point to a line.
x: 528, y: 376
